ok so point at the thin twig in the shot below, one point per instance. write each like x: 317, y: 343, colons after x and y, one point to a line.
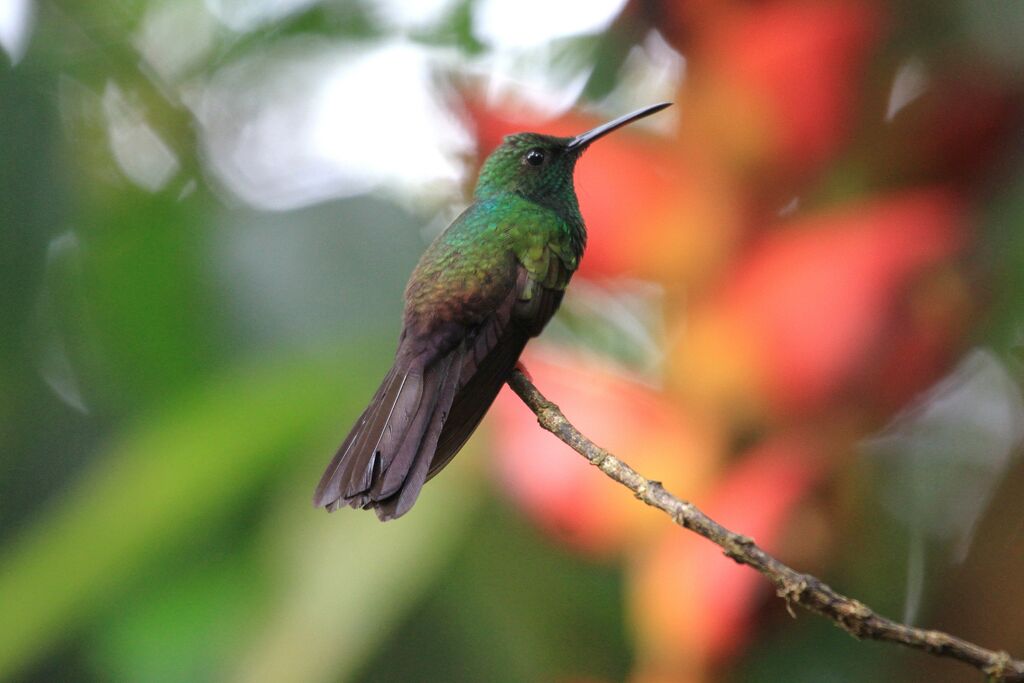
x: 805, y: 590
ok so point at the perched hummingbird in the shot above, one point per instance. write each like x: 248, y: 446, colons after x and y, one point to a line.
x: 483, y: 287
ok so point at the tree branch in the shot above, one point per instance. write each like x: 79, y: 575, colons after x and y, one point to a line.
x: 805, y: 590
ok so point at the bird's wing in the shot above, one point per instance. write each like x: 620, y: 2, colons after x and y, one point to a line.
x: 496, y: 346
x: 385, y: 459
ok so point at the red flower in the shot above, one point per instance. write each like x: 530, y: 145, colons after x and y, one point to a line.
x: 774, y: 85
x: 556, y: 486
x: 800, y: 312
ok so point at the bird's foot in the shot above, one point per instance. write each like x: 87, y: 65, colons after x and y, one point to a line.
x: 522, y: 368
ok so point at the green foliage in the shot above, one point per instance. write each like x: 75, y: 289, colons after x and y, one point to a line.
x: 152, y: 489
x: 167, y: 402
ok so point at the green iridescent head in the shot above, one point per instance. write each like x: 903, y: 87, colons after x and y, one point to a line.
x: 535, y: 166
x: 540, y: 167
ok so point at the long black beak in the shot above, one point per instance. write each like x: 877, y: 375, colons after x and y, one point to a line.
x: 581, y: 141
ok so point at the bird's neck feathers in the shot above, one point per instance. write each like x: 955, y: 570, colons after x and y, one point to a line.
x: 506, y: 172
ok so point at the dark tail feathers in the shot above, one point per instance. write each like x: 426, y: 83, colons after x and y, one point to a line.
x: 384, y: 461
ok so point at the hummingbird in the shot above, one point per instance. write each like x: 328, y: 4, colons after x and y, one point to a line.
x: 481, y: 290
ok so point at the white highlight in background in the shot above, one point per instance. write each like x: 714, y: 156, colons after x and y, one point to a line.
x: 909, y: 83
x: 312, y: 121
x: 16, y: 18
x: 525, y: 24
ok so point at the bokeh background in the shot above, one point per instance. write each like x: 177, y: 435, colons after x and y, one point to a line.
x: 801, y: 308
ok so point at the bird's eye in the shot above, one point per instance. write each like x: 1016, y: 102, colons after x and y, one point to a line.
x: 535, y: 157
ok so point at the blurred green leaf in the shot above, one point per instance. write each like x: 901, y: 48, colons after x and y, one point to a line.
x: 349, y: 579
x: 178, y: 627
x: 148, y: 299
x: 512, y: 607
x: 1003, y: 252
x: 156, y: 483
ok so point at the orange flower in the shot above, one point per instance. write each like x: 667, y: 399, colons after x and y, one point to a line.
x: 776, y: 82
x: 800, y: 312
x: 689, y: 604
